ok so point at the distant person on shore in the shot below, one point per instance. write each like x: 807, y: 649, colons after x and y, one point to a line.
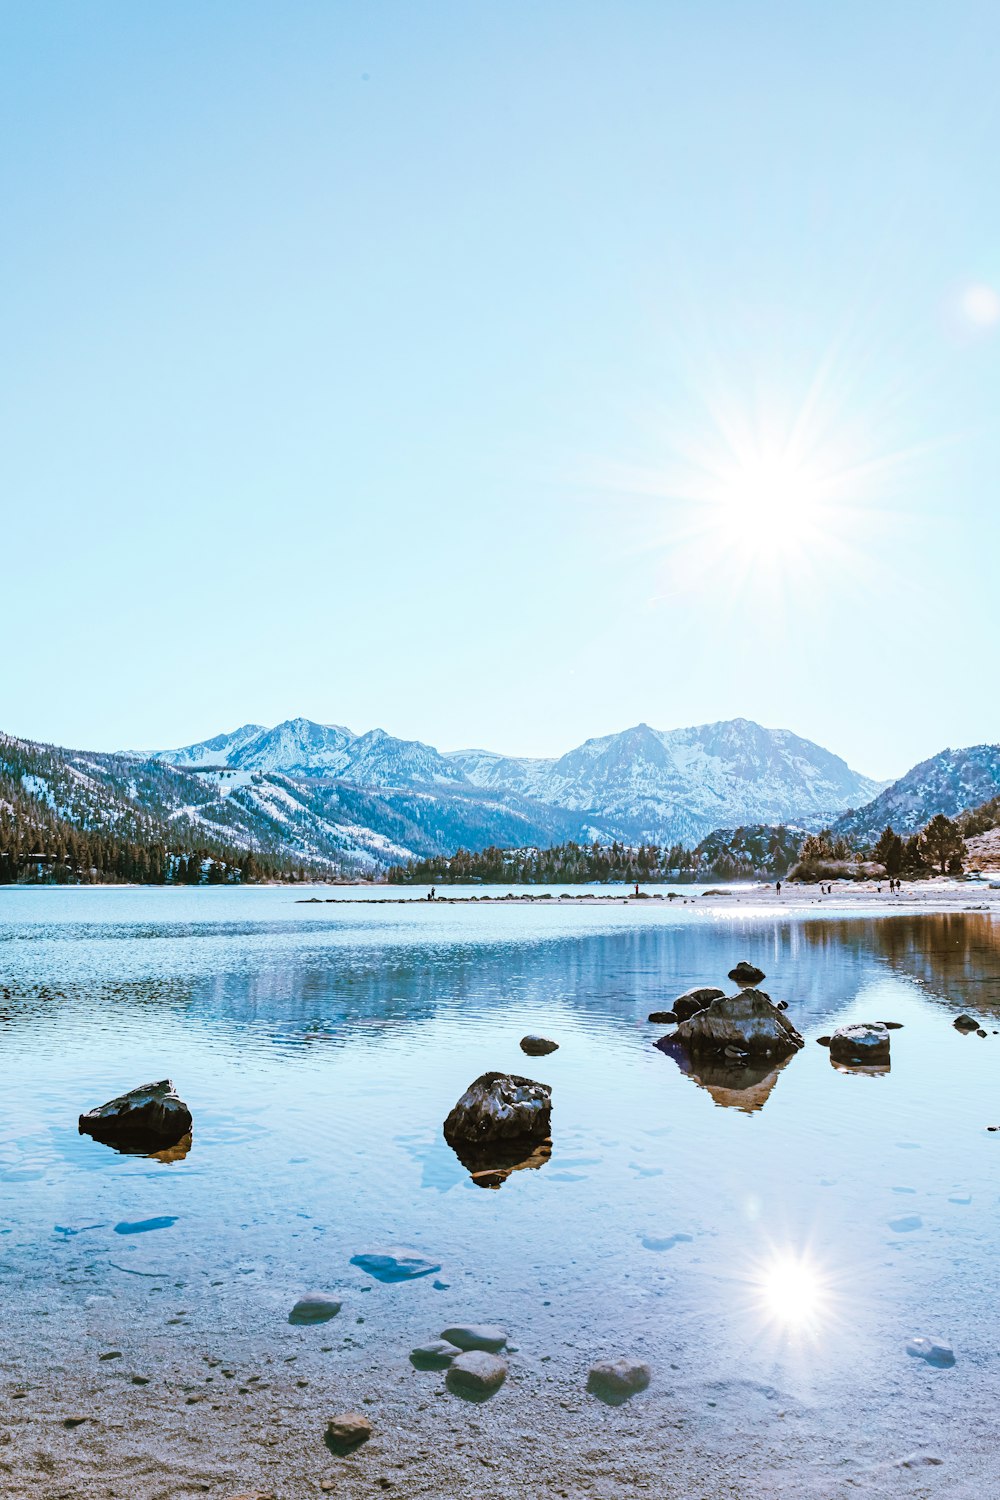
x: 637, y: 887
x: 432, y: 894
x: 777, y: 886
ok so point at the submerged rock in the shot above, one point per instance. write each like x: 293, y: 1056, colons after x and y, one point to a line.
x: 396, y: 1264
x: 500, y: 1107
x: 314, y: 1309
x: 476, y: 1374
x: 152, y: 1117
x: 866, y: 1043
x: 614, y: 1382
x: 749, y: 1022
x: 746, y: 974
x: 538, y: 1046
x: 935, y: 1351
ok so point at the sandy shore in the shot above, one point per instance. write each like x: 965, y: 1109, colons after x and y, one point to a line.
x: 940, y: 894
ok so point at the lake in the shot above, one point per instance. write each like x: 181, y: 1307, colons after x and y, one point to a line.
x: 777, y: 1242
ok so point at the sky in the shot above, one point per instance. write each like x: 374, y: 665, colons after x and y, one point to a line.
x: 501, y: 375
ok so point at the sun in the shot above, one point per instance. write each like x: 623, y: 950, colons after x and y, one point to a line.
x: 769, y: 504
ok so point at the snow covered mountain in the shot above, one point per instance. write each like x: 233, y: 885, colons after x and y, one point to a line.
x: 948, y: 783
x: 640, y: 785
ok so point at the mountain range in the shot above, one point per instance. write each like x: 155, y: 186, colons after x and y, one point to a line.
x: 642, y: 785
x: 333, y: 800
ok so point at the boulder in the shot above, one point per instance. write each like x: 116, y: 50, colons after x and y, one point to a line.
x: 500, y: 1107
x: 692, y: 1001
x: 538, y: 1046
x: 965, y: 1023
x: 615, y: 1381
x: 476, y: 1374
x: 749, y: 1022
x: 664, y: 1017
x: 866, y: 1044
x: 746, y: 974
x: 150, y: 1118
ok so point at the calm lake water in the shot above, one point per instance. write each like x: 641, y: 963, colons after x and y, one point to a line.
x: 320, y: 1048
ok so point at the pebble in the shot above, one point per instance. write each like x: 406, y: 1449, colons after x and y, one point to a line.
x: 906, y: 1223
x: 934, y: 1351
x: 436, y: 1355
x: 347, y: 1431
x: 314, y: 1309
x: 918, y: 1461
x: 476, y: 1336
x: 616, y: 1381
x: 395, y: 1264
x: 476, y: 1374
x: 76, y: 1419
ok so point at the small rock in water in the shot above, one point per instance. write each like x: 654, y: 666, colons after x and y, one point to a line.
x: 614, y: 1382
x: 663, y: 1017
x: 476, y: 1336
x: 965, y: 1023
x: 538, y: 1046
x: 476, y: 1374
x: 907, y: 1222
x: 963, y: 1198
x: 664, y: 1241
x: 746, y: 973
x: 436, y: 1355
x: 395, y: 1265
x: 347, y: 1431
x: 892, y: 1025
x: 866, y: 1043
x: 935, y: 1351
x: 824, y: 1041
x: 314, y: 1309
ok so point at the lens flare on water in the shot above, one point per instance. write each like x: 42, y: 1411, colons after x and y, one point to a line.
x: 794, y: 1292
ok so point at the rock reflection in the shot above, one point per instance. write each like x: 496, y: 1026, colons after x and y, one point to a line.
x: 490, y: 1166
x: 733, y: 1085
x: 863, y: 1070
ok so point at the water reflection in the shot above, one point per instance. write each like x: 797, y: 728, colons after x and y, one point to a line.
x: 490, y: 1166
x: 744, y: 1086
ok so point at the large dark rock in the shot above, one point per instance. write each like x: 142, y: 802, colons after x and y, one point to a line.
x: 865, y: 1044
x: 745, y: 973
x: 500, y: 1107
x: 150, y: 1118
x: 500, y: 1125
x: 750, y: 1023
x: 693, y: 1001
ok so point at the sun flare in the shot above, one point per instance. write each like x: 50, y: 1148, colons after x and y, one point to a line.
x: 793, y: 1291
x: 769, y: 503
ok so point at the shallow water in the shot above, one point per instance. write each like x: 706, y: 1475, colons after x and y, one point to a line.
x: 809, y: 1224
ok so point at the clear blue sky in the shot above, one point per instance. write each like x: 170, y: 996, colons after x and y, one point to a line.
x: 432, y: 366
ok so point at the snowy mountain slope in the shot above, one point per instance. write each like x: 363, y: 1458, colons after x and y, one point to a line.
x: 947, y: 783
x: 642, y: 784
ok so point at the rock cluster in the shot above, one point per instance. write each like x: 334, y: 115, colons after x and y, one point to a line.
x: 749, y: 1024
